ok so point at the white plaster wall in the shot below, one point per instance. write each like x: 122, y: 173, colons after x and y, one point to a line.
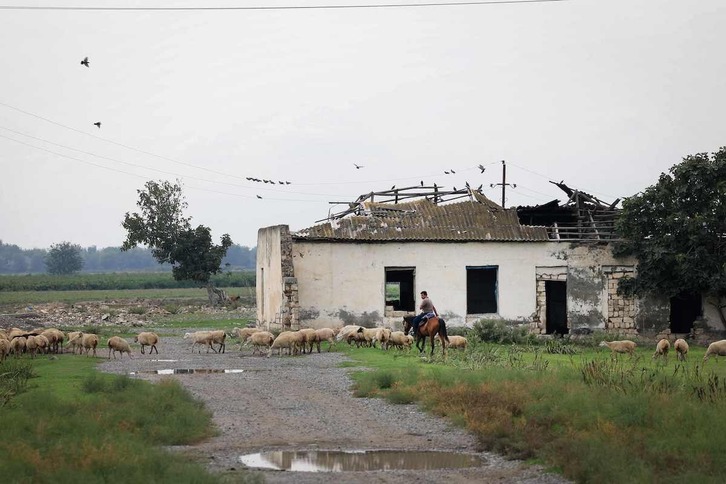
x: 269, y: 287
x: 351, y: 277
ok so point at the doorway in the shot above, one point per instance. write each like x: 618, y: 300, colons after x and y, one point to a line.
x: 685, y: 308
x: 556, y: 304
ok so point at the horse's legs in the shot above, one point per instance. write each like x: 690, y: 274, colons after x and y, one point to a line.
x: 433, y: 341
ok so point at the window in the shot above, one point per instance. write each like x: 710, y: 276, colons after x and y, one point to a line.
x: 481, y: 290
x: 399, y: 288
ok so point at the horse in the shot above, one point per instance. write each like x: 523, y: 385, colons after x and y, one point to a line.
x: 427, y: 328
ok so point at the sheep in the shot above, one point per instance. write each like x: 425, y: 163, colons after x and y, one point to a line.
x: 399, y: 340
x: 366, y: 336
x: 219, y: 337
x: 625, y: 346
x: 147, y: 338
x: 717, y: 348
x: 345, y: 331
x: 4, y: 348
x: 17, y: 345
x: 325, y: 334
x: 204, y: 338
x: 382, y: 336
x: 30, y: 345
x: 681, y: 348
x: 287, y: 339
x: 55, y: 338
x: 89, y: 342
x: 459, y: 342
x: 661, y: 349
x: 260, y: 339
x: 116, y: 343
x: 243, y: 334
x: 74, y: 341
x: 309, y: 339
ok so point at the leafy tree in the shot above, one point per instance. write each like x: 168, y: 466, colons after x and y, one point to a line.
x: 677, y: 230
x: 161, y: 226
x: 64, y: 258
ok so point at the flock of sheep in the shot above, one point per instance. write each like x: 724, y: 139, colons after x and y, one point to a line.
x: 717, y: 348
x: 17, y: 341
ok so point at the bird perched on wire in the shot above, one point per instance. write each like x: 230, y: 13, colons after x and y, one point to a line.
x: 481, y: 167
x: 97, y: 124
x: 357, y: 167
x: 85, y: 62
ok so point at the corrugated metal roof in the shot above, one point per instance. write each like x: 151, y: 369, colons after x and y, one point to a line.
x: 477, y: 219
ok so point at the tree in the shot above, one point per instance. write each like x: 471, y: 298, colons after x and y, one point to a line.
x: 161, y: 226
x: 64, y: 258
x: 677, y: 230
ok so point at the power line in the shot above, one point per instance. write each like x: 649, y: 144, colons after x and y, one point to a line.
x: 279, y: 7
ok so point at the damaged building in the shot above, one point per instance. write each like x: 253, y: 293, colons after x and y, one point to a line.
x: 549, y: 267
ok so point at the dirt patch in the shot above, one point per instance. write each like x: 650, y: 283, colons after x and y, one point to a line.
x: 305, y: 403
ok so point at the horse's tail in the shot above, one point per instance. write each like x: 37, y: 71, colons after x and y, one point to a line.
x: 442, y: 329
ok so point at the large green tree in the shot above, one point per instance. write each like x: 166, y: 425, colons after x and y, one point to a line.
x: 162, y: 226
x: 677, y: 230
x: 64, y: 258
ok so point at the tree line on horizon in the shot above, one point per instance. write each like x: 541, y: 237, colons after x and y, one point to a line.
x: 15, y: 260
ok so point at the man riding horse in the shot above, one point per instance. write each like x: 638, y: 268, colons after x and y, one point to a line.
x: 428, y: 310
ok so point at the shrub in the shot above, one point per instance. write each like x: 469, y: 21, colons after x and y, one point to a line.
x: 497, y: 331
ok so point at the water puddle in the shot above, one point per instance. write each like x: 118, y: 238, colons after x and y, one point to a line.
x: 184, y: 371
x: 370, y: 460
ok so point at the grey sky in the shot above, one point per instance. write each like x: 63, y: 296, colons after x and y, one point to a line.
x: 603, y: 94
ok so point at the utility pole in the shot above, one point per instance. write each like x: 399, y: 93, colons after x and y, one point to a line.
x: 504, y: 182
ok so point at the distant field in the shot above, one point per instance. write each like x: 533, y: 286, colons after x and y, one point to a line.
x: 191, y: 295
x: 117, y: 281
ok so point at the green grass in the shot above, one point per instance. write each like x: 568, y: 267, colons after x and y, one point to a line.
x: 587, y: 415
x: 74, y: 424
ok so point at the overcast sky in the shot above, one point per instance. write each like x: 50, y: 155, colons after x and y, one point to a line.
x: 603, y: 94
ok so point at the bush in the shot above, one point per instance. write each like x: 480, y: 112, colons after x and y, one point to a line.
x: 497, y: 331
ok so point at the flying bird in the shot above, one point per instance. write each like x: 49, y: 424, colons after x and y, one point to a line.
x: 446, y: 172
x: 357, y: 167
x: 258, y: 196
x: 85, y: 62
x: 97, y: 124
x: 452, y: 171
x: 281, y: 182
x: 287, y: 182
x: 481, y: 167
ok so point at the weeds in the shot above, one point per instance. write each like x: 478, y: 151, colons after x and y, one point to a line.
x: 14, y: 376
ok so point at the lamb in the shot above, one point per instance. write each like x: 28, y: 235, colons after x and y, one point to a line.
x: 661, y: 349
x: 717, y: 348
x: 116, y: 343
x: 287, y: 339
x: 147, y: 338
x: 681, y: 348
x: 325, y: 334
x: 459, y: 342
x: 260, y: 339
x: 625, y: 346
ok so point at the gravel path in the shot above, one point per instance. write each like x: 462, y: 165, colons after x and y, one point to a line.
x: 305, y: 403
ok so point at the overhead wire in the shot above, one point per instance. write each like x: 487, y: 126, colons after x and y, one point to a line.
x: 280, y: 7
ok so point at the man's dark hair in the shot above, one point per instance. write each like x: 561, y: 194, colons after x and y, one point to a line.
x: 424, y: 293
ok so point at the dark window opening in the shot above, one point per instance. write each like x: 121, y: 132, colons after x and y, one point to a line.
x: 481, y: 290
x: 399, y: 288
x: 556, y: 307
x: 685, y: 308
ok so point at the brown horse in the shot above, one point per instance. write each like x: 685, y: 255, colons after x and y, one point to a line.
x: 427, y: 328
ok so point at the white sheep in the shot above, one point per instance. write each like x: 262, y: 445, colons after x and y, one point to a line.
x: 661, y: 349
x: 17, y: 345
x: 147, y: 338
x: 458, y: 342
x: 204, y: 338
x: 325, y: 334
x: 260, y: 339
x: 287, y: 339
x: 681, y: 348
x: 89, y: 342
x: 366, y: 336
x: 399, y: 340
x: 55, y: 338
x: 717, y: 348
x: 219, y: 337
x: 345, y: 331
x: 382, y: 336
x: 74, y: 341
x: 116, y: 343
x: 624, y: 346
